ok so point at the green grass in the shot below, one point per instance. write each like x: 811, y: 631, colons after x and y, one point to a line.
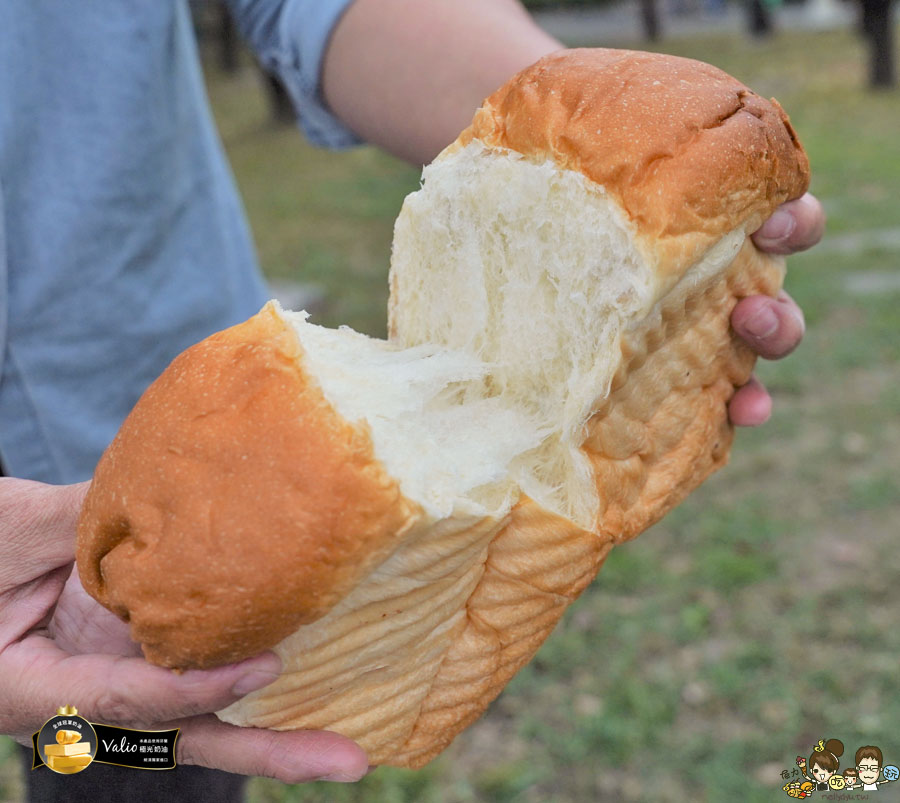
x: 758, y: 617
x: 11, y: 785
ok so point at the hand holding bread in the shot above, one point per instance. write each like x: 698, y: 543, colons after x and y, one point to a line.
x: 405, y: 521
x: 56, y: 643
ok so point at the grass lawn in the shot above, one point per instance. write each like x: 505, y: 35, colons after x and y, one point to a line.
x: 762, y: 614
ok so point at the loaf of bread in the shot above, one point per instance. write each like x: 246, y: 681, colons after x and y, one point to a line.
x: 405, y: 521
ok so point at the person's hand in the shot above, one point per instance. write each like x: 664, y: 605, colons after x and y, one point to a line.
x: 773, y: 327
x: 59, y: 647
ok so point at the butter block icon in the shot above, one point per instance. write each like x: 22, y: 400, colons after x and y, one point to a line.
x: 80, y: 748
x: 69, y: 754
x: 68, y: 764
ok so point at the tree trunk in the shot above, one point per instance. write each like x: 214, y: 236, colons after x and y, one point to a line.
x: 759, y: 19
x: 279, y: 101
x: 650, y: 19
x: 879, y: 30
x: 228, y: 40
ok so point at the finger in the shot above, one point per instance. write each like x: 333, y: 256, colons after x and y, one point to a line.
x: 794, y: 226
x: 291, y: 757
x: 751, y: 405
x: 127, y: 691
x: 38, y: 526
x: 30, y: 605
x: 81, y: 625
x: 772, y: 327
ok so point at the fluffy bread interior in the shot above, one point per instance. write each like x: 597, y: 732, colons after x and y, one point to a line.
x: 492, y: 234
x: 447, y: 455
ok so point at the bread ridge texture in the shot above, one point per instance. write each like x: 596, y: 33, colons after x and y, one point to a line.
x: 403, y: 667
x: 203, y: 524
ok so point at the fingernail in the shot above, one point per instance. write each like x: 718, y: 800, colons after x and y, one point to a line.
x: 798, y: 316
x: 779, y: 226
x: 348, y: 775
x: 762, y: 323
x: 262, y: 671
x: 340, y: 776
x: 253, y: 681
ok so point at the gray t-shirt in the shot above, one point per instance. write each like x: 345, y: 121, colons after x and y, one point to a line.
x: 122, y: 237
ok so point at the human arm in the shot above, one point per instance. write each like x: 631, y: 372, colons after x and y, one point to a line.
x: 58, y: 646
x: 408, y: 76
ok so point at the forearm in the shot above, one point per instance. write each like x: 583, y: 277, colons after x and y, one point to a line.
x: 407, y: 75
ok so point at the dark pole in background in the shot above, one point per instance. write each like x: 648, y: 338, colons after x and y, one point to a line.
x: 228, y: 40
x: 878, y: 28
x: 759, y: 18
x: 229, y: 59
x: 279, y: 101
x: 650, y: 19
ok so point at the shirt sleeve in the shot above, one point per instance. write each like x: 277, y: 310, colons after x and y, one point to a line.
x: 290, y: 37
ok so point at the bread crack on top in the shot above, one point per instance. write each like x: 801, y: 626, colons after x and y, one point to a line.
x: 405, y: 521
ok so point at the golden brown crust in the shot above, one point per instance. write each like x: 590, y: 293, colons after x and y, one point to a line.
x: 688, y: 151
x: 234, y: 474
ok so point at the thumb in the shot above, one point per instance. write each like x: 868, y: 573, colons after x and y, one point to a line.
x: 128, y: 692
x: 37, y: 527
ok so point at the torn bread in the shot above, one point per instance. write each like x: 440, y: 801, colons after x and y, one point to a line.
x: 404, y: 521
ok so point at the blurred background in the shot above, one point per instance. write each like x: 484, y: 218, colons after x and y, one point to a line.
x: 764, y: 613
